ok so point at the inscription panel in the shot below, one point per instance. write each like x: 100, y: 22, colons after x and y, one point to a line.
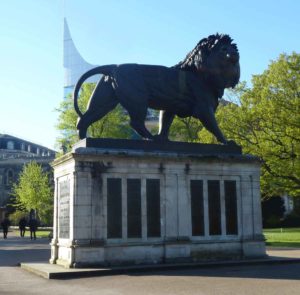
x: 214, y: 207
x: 64, y: 210
x: 231, y: 207
x: 114, y: 208
x: 134, y: 215
x: 197, y: 207
x: 153, y: 207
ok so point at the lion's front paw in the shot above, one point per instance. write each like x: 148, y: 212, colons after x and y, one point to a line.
x: 231, y: 143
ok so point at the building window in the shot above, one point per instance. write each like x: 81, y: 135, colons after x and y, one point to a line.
x: 10, y: 145
x: 23, y: 146
x: 9, y: 177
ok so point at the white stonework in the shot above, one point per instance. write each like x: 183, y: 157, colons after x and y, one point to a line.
x: 86, y: 243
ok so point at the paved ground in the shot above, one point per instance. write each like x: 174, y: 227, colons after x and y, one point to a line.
x: 283, y: 279
x: 14, y: 250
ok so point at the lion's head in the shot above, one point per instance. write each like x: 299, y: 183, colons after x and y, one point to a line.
x: 216, y: 58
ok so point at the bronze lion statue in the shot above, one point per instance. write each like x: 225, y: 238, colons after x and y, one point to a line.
x: 192, y: 87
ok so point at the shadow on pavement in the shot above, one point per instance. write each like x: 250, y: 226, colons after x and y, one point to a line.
x: 15, y: 257
x: 15, y: 250
x: 285, y: 271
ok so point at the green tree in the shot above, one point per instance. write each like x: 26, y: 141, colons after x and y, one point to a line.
x: 115, y: 124
x: 266, y: 123
x: 185, y: 129
x: 34, y: 192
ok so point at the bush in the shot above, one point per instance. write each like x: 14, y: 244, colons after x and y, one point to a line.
x: 272, y: 211
x: 16, y: 216
x: 272, y: 222
x: 291, y: 220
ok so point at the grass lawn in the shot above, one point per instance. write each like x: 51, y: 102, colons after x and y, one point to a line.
x: 39, y: 233
x: 282, y: 237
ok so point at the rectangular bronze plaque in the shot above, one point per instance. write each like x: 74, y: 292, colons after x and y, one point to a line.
x: 134, y: 212
x: 214, y: 207
x: 197, y: 207
x: 231, y: 207
x: 114, y: 208
x: 153, y: 207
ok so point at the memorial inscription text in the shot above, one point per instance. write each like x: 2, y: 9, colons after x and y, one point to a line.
x: 64, y: 209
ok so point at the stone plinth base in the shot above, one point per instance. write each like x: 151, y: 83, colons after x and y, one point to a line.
x: 153, y: 203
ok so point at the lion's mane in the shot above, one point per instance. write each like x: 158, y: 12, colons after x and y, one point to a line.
x: 195, y: 59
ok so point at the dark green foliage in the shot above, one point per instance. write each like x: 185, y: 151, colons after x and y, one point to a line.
x: 291, y: 220
x: 16, y: 216
x: 272, y: 211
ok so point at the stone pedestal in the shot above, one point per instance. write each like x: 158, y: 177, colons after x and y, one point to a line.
x: 130, y: 202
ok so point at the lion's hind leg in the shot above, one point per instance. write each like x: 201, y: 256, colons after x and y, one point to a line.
x: 137, y: 122
x: 102, y: 101
x: 140, y: 128
x: 137, y: 114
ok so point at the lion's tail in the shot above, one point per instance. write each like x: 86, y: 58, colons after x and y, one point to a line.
x: 105, y: 70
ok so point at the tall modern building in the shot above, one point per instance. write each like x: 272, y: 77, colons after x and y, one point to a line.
x: 74, y: 63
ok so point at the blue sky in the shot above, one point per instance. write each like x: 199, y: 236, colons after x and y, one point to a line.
x: 120, y: 31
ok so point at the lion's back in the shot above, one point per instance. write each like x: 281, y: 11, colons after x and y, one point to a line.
x: 158, y: 87
x: 144, y: 80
